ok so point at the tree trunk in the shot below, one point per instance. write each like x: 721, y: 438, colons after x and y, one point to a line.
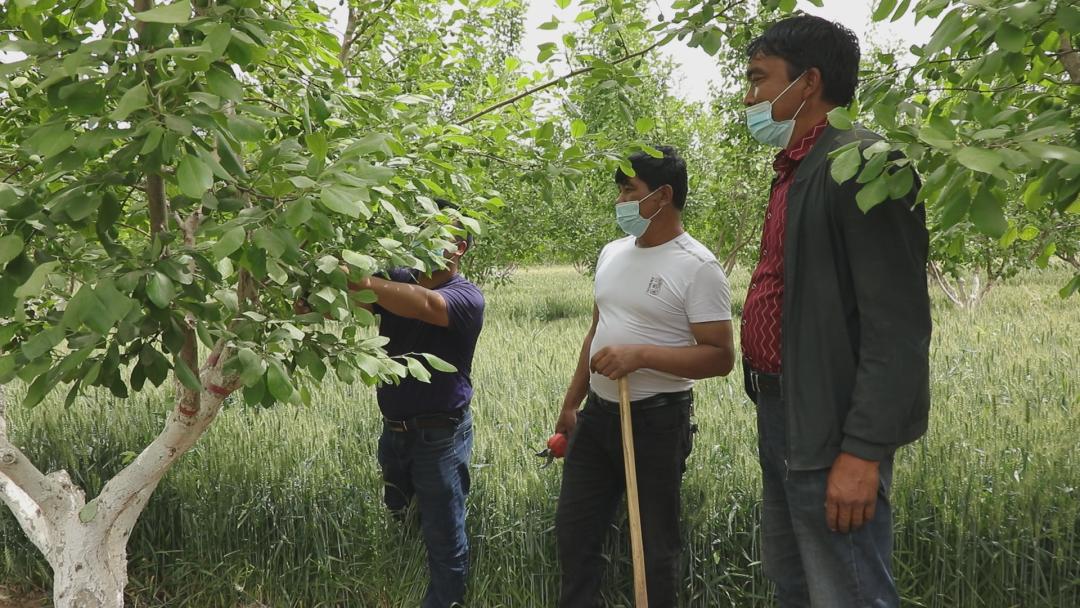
x: 88, y: 571
x: 84, y: 542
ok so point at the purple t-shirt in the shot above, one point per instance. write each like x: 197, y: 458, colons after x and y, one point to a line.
x: 454, y: 344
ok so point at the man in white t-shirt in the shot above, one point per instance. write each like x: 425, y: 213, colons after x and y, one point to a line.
x: 662, y: 317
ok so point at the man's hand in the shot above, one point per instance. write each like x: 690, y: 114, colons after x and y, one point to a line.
x: 851, y: 493
x: 567, y: 421
x: 301, y: 306
x: 617, y: 361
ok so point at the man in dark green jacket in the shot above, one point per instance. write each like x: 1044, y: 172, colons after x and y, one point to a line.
x: 835, y: 330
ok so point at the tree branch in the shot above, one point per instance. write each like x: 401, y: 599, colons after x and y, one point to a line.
x: 551, y: 83
x: 1070, y: 58
x: 177, y: 437
x: 16, y: 467
x: 27, y: 512
x: 347, y: 38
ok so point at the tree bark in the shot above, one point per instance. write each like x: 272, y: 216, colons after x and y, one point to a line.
x: 85, y: 543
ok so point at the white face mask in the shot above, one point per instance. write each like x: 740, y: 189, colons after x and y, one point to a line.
x: 764, y: 128
x: 628, y: 216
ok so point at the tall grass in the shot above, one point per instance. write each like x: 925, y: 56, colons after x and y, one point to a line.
x: 282, y: 507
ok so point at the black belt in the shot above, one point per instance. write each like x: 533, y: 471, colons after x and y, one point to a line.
x: 648, y: 403
x: 761, y: 383
x: 425, y: 421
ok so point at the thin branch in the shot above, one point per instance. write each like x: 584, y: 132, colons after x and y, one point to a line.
x: 922, y: 63
x: 16, y: 171
x: 269, y: 103
x: 364, y: 28
x: 552, y: 83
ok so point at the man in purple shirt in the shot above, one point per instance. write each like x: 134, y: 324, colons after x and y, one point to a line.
x: 427, y: 434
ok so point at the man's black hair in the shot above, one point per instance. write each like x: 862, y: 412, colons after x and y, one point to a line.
x: 669, y: 170
x: 805, y: 42
x: 445, y: 204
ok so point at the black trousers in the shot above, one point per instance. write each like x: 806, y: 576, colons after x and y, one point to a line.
x: 593, y: 485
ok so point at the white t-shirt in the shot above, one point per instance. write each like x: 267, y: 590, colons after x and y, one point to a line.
x: 651, y: 295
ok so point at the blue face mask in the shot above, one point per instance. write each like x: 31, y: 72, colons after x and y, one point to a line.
x: 763, y: 128
x: 628, y: 216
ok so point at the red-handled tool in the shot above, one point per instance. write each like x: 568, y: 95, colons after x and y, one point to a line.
x: 556, y: 448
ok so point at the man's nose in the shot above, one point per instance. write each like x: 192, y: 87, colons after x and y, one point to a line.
x: 751, y: 96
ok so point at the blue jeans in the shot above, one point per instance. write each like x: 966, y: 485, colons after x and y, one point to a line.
x: 811, y: 565
x: 432, y: 465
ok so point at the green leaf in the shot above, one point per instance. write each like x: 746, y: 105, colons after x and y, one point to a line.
x: 223, y: 84
x: 33, y: 285
x: 439, y: 364
x: 160, y: 289
x: 711, y: 41
x: 252, y: 367
x: 562, y: 3
x: 175, y: 13
x: 217, y: 40
x: 1068, y: 15
x: 417, y: 370
x: 194, y: 176
x: 840, y: 118
x: 298, y: 213
x: 229, y: 242
x: 644, y: 124
x: 132, y: 99
x: 277, y: 380
x: 186, y: 376
x: 1029, y: 233
x: 10, y: 246
x: 229, y: 159
x: 1050, y: 152
x: 900, y: 182
x: 246, y: 129
x: 1010, y: 38
x: 346, y: 201
x: 51, y: 140
x: 42, y: 342
x: 986, y: 214
x: 935, y: 138
x: 553, y: 24
x: 884, y: 9
x: 578, y: 128
x: 365, y: 263
x: 547, y: 49
x: 980, y: 159
x: 872, y: 194
x: 88, y: 512
x: 846, y: 165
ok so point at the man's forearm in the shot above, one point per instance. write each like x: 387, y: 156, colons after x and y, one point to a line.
x: 406, y: 300
x: 695, y: 362
x: 579, y: 384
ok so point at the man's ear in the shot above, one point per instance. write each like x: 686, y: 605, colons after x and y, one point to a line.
x: 815, y: 86
x: 667, y: 194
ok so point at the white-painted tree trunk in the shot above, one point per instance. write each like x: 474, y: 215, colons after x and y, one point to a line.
x: 85, y: 543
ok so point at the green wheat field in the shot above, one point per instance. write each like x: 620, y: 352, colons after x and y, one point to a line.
x: 282, y: 507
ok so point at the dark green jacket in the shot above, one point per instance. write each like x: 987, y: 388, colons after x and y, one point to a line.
x: 856, y: 316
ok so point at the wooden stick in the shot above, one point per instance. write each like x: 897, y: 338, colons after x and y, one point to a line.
x: 641, y: 596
